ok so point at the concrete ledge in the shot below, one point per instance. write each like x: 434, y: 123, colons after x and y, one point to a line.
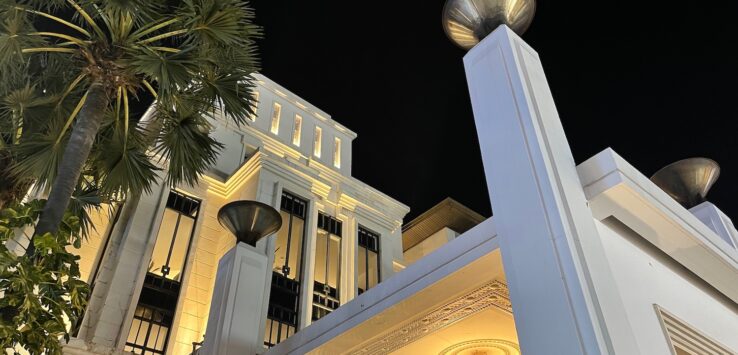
x: 616, y: 188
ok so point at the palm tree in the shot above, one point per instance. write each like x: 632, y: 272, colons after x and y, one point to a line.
x: 85, y: 64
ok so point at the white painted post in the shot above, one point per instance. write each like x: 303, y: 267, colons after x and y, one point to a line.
x: 539, y: 205
x: 232, y: 327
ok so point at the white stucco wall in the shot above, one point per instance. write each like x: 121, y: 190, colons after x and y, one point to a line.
x: 646, y: 276
x: 428, y: 245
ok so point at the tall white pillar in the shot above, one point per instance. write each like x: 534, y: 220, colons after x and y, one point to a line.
x: 541, y: 212
x: 232, y: 327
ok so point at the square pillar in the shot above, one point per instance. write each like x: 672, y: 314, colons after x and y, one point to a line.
x: 557, y: 272
x: 232, y: 327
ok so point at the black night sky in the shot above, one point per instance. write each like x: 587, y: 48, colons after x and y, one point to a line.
x: 655, y: 80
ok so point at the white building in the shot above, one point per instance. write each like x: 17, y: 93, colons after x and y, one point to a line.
x: 339, y: 235
x: 588, y: 259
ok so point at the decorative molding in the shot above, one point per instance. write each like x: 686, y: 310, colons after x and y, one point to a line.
x: 493, y: 294
x: 507, y: 347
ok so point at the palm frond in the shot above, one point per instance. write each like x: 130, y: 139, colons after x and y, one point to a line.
x: 219, y: 23
x: 171, y: 71
x: 39, y: 156
x: 55, y: 18
x: 88, y: 19
x: 86, y: 197
x: 186, y: 144
x: 127, y: 171
x: 122, y: 167
x: 232, y: 93
x: 13, y: 40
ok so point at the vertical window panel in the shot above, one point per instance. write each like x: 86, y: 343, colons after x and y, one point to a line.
x: 276, y: 114
x: 297, y: 130
x: 284, y: 298
x: 318, y: 141
x: 373, y: 271
x: 327, y: 268
x: 368, y: 259
x: 158, y: 298
x: 337, y: 152
x: 321, y: 243
x: 362, y: 266
x: 333, y: 269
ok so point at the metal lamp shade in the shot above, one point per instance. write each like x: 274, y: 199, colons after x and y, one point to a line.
x: 688, y: 181
x: 467, y: 22
x: 249, y: 221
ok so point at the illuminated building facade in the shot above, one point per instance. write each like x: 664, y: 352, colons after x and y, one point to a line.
x: 578, y: 259
x: 339, y: 236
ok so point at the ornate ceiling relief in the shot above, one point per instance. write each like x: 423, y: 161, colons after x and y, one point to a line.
x: 493, y: 294
x: 483, y: 346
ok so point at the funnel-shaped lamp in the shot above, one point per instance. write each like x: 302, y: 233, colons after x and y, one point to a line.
x: 467, y: 22
x: 688, y: 181
x: 249, y: 221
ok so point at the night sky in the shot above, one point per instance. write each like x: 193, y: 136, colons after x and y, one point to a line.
x: 656, y: 84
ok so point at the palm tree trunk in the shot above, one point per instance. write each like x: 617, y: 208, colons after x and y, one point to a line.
x: 75, y: 155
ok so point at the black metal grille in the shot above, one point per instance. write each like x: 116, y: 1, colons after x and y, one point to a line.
x: 183, y: 204
x: 368, y: 239
x: 294, y: 205
x: 152, y: 321
x: 329, y: 224
x: 325, y: 300
x: 284, y: 299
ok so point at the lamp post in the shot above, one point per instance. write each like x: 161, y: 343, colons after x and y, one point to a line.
x: 242, y: 274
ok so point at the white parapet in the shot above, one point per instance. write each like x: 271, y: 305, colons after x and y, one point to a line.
x: 716, y: 220
x: 233, y: 324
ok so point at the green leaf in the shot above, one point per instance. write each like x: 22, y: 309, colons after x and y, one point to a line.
x: 46, y: 242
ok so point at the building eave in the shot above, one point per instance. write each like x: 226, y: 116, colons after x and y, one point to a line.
x: 614, y: 188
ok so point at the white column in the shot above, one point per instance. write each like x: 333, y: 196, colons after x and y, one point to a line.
x: 308, y: 268
x: 349, y: 242
x: 112, y: 302
x: 548, y: 239
x: 232, y: 328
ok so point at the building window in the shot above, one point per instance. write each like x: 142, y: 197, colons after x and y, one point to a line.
x: 282, y: 314
x: 297, y: 130
x: 276, y: 114
x: 152, y: 321
x: 327, y: 266
x: 337, y: 152
x: 368, y: 259
x: 685, y: 339
x: 317, y: 142
x: 255, y: 106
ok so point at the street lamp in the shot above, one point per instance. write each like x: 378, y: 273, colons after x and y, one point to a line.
x: 467, y: 22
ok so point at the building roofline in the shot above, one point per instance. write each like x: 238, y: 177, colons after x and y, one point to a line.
x: 288, y: 95
x: 449, y: 213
